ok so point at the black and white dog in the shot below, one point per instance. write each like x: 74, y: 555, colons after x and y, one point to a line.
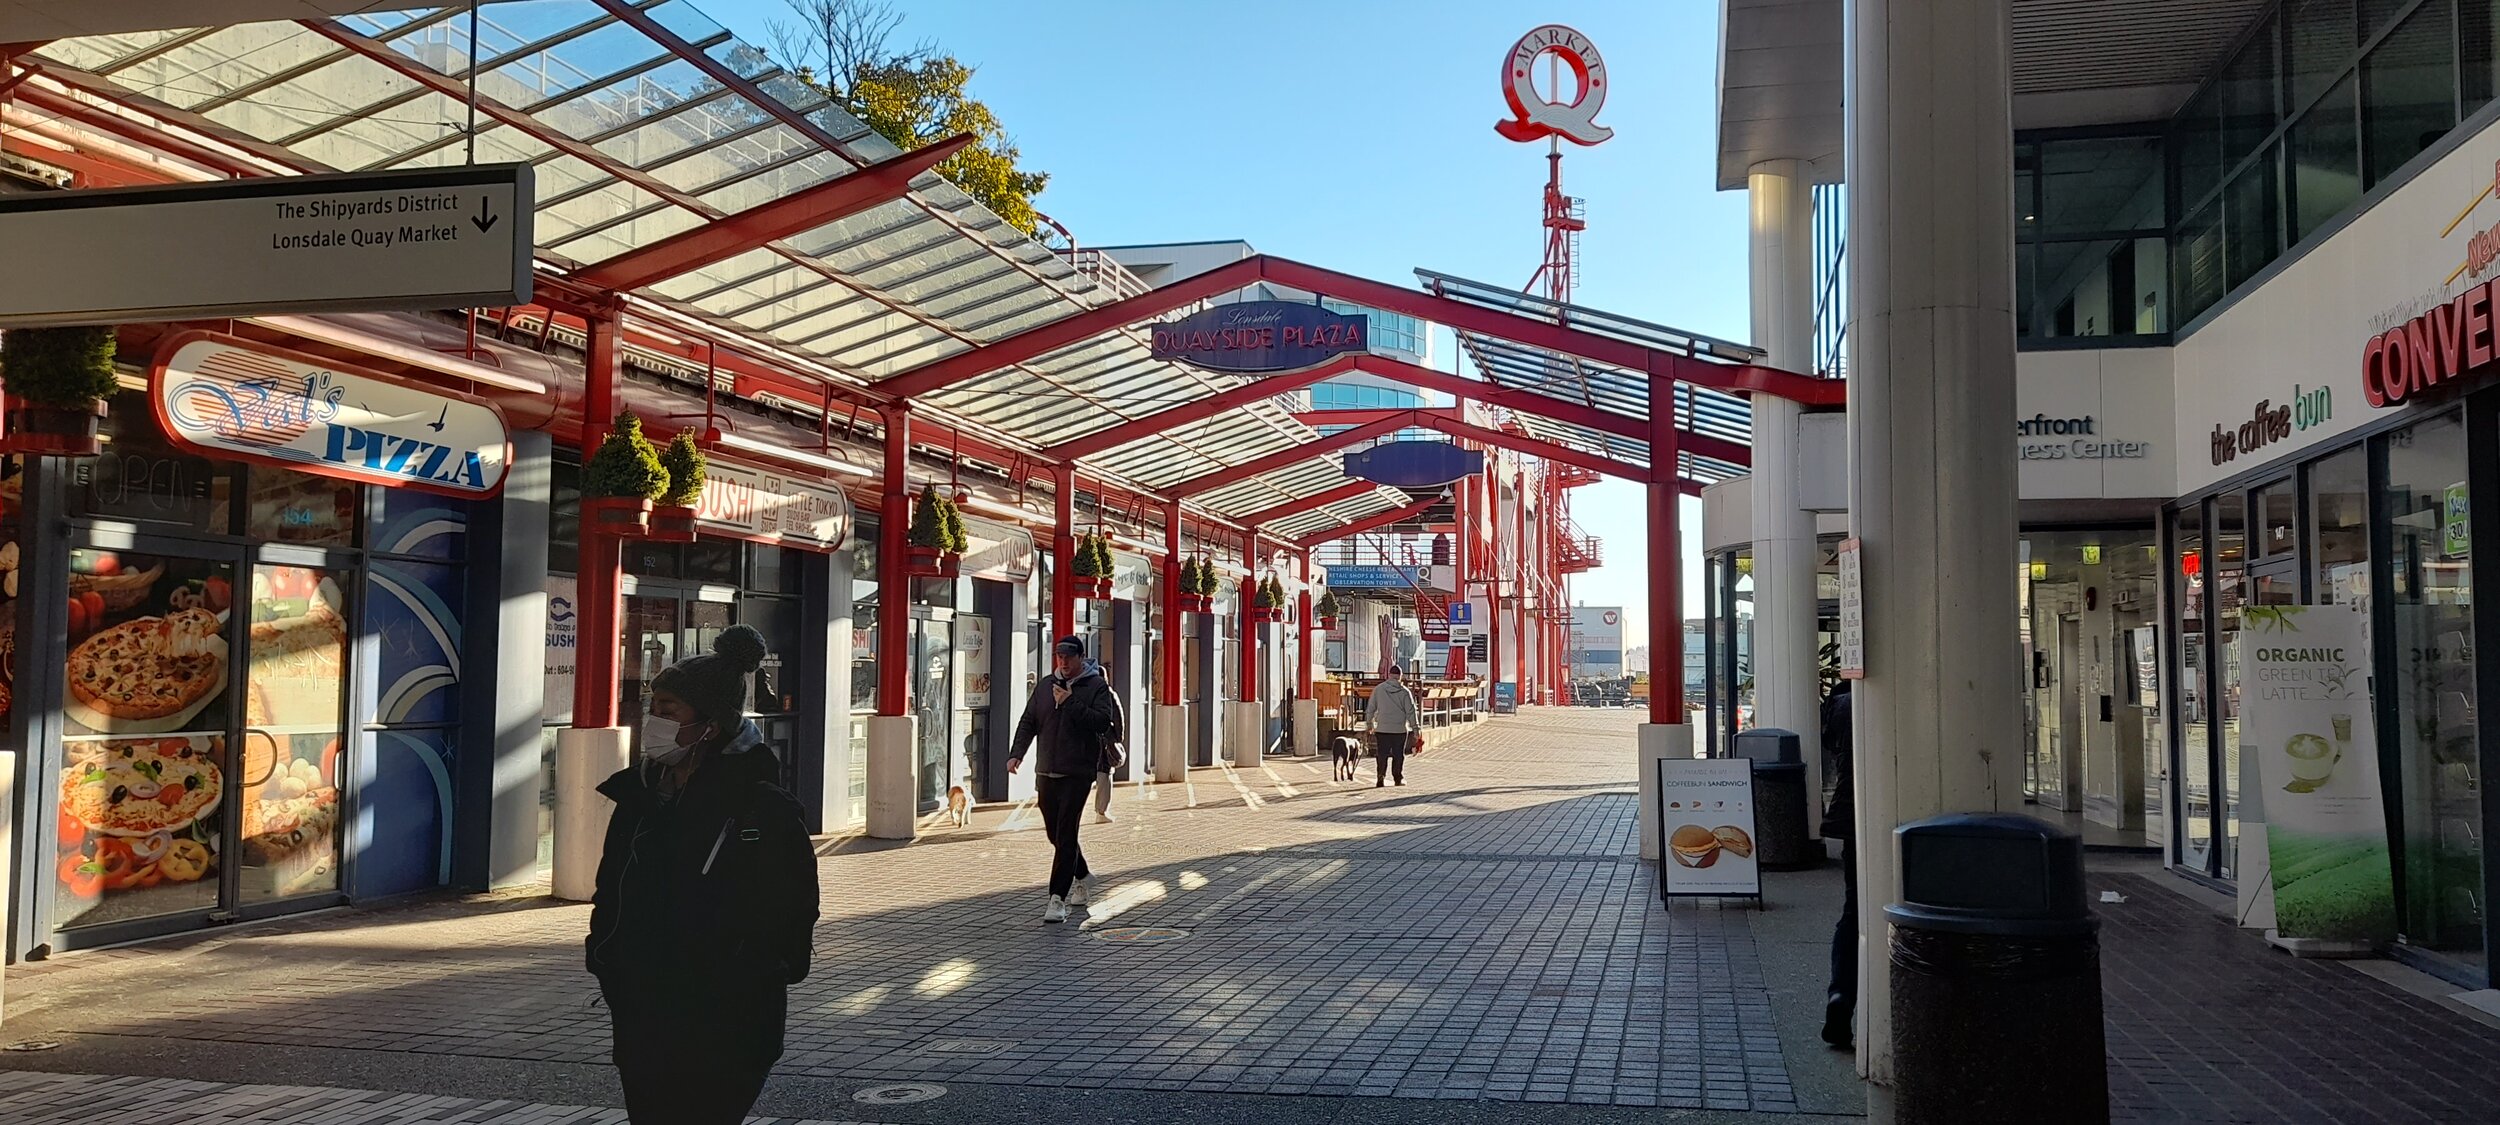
x: 1349, y: 751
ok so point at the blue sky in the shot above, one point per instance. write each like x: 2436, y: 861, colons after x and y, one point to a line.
x: 1358, y: 135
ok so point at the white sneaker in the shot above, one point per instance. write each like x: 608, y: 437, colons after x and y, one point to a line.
x: 1057, y: 911
x: 1082, y: 892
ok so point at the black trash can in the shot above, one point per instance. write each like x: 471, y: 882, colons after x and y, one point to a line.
x: 1781, y: 804
x: 1996, y: 975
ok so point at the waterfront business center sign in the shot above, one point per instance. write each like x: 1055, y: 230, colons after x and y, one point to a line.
x: 1261, y: 337
x: 446, y: 238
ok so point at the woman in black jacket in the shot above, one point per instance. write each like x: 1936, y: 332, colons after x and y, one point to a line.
x: 706, y: 904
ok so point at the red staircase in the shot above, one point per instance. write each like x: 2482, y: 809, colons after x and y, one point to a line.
x: 1579, y: 551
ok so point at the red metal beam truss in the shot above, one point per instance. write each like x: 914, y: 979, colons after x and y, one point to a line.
x: 1195, y: 411
x: 1547, y: 450
x: 1368, y: 523
x: 1312, y: 503
x: 756, y: 227
x: 1286, y: 458
x: 1443, y: 310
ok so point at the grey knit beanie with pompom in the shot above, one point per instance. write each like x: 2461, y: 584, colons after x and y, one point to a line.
x: 716, y: 685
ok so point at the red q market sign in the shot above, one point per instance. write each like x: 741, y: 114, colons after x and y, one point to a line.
x: 1534, y: 116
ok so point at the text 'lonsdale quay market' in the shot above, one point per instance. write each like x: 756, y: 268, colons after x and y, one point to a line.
x: 412, y: 412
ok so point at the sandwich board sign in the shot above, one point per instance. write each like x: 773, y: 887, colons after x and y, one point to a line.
x: 440, y: 238
x: 1706, y: 810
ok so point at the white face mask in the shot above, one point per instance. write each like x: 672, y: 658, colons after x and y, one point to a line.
x: 659, y: 740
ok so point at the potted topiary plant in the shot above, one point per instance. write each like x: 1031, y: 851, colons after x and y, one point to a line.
x: 1092, y: 566
x: 1199, y: 583
x: 621, y: 479
x: 935, y: 547
x: 1326, y: 610
x: 57, y: 381
x: 672, y: 517
x: 1270, y: 605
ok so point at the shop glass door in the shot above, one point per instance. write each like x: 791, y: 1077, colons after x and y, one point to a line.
x: 2194, y: 754
x: 2430, y: 708
x: 933, y: 697
x: 663, y: 624
x: 2231, y: 585
x: 294, y: 728
x: 204, y: 722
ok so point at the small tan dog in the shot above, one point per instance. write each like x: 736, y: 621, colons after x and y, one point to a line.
x: 959, y: 806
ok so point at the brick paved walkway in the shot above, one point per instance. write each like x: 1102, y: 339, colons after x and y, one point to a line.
x: 1483, y: 933
x: 31, y: 1098
x: 2209, y: 1024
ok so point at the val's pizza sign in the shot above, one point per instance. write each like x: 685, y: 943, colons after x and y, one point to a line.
x: 227, y: 397
x: 1261, y: 336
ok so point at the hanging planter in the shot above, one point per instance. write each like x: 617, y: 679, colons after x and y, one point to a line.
x: 622, y: 478
x: 673, y: 513
x: 1270, y: 606
x: 1092, y: 566
x: 1197, y: 586
x: 935, y: 548
x: 57, y: 381
x: 1326, y: 610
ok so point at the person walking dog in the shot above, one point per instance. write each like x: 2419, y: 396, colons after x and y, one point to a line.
x: 705, y: 908
x: 1072, y: 716
x: 1395, y: 720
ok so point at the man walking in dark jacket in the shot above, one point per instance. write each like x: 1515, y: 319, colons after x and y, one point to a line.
x: 1071, y: 713
x: 1840, y: 1004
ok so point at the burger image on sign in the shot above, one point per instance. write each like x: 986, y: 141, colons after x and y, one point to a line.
x: 1696, y: 846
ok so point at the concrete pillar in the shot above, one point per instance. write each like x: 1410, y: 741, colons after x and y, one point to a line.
x: 1657, y: 741
x: 585, y: 756
x: 1306, y: 725
x: 1245, y: 728
x: 506, y: 613
x: 1932, y: 476
x: 1171, y: 749
x: 1787, y: 675
x: 894, y: 776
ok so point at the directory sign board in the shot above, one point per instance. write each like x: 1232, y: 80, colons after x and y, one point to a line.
x: 1852, y: 610
x: 447, y: 238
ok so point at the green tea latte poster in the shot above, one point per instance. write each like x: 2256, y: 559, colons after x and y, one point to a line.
x: 2305, y: 712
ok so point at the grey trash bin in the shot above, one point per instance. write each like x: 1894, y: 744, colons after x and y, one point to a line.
x: 1996, y: 975
x: 1781, y: 804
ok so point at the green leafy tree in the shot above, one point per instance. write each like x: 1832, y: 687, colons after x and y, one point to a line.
x: 625, y: 465
x: 64, y: 368
x: 911, y: 96
x: 685, y: 467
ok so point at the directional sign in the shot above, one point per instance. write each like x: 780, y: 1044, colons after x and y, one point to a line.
x: 436, y: 239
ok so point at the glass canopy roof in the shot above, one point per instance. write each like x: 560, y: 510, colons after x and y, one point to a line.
x: 645, y: 118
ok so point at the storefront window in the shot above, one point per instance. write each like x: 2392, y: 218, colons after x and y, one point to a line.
x: 2412, y: 82
x: 2326, y: 160
x: 2339, y: 528
x: 2230, y: 558
x: 142, y: 825
x: 2195, y: 755
x: 142, y: 478
x: 2430, y: 705
x: 291, y: 507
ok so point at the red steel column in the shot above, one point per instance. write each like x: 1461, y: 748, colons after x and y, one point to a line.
x: 1666, y: 570
x: 1174, y: 623
x: 894, y: 588
x: 1302, y: 614
x: 1062, y: 550
x: 600, y: 583
x: 1250, y: 627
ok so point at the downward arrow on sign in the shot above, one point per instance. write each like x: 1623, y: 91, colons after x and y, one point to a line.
x: 486, y: 217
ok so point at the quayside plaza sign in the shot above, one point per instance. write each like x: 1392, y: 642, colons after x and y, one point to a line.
x: 1261, y: 336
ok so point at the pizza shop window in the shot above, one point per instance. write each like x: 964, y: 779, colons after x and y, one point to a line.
x: 142, y: 478
x: 291, y: 507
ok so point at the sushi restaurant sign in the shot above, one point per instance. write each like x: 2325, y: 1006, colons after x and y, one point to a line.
x: 227, y: 397
x: 2313, y: 752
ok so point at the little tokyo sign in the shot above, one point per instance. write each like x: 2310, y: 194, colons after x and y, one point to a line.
x: 227, y: 397
x: 1261, y: 336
